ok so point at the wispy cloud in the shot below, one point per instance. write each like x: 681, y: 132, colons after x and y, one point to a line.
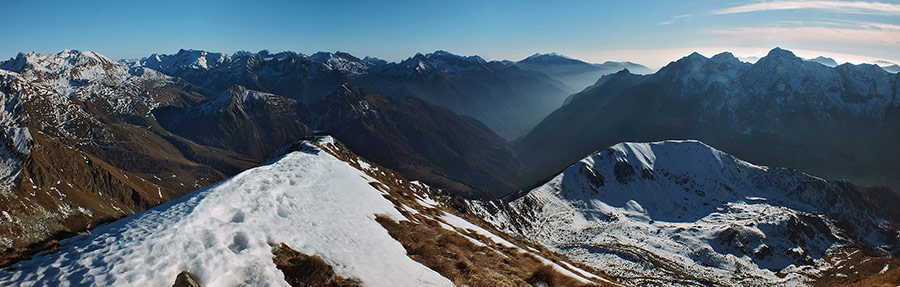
x: 840, y: 24
x: 851, y: 7
x: 884, y: 35
x: 879, y: 26
x: 663, y: 23
x: 683, y: 16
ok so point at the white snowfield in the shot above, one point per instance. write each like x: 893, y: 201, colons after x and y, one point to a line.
x: 648, y: 211
x: 225, y: 233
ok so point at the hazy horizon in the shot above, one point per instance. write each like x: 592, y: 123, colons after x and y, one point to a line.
x: 650, y: 33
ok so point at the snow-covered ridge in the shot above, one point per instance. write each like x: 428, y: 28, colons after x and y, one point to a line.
x: 186, y: 60
x: 657, y: 211
x: 310, y: 200
x: 193, y: 59
x: 439, y: 61
x: 68, y: 65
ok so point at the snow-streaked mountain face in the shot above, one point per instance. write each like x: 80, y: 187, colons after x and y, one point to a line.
x: 682, y: 213
x: 58, y: 88
x: 839, y: 122
x: 319, y: 199
x: 440, y: 61
x: 76, y: 128
x: 293, y: 75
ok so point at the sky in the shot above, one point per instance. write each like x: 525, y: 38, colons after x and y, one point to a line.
x: 647, y: 32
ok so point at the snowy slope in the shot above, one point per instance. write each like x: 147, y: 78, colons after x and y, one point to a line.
x: 682, y: 213
x: 225, y: 233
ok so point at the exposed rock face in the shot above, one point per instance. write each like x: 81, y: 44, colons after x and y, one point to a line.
x: 302, y: 270
x: 186, y: 279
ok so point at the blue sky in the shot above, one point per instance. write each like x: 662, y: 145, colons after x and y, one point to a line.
x: 649, y: 32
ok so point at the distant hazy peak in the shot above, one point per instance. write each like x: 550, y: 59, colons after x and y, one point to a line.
x: 824, y: 61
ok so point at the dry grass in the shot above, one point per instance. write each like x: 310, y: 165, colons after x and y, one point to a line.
x: 547, y: 275
x: 307, y: 271
x: 862, y: 270
x: 467, y: 264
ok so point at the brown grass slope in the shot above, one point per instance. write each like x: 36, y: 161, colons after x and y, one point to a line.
x: 62, y: 191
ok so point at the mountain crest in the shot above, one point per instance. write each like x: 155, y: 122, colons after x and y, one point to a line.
x: 781, y: 56
x: 549, y: 57
x: 825, y: 61
x: 623, y: 72
x: 190, y: 59
x: 444, y: 62
x: 64, y: 60
x: 725, y: 57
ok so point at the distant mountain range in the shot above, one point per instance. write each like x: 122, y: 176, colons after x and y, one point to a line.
x: 840, y: 122
x: 888, y: 66
x: 825, y: 61
x: 509, y: 98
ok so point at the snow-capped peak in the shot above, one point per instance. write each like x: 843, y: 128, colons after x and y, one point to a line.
x: 342, y: 61
x: 68, y: 70
x: 443, y: 61
x: 185, y: 59
x: 67, y: 59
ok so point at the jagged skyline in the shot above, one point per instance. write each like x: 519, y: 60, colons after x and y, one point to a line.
x: 651, y: 33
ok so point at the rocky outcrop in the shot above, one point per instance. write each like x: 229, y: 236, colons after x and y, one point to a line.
x: 186, y: 279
